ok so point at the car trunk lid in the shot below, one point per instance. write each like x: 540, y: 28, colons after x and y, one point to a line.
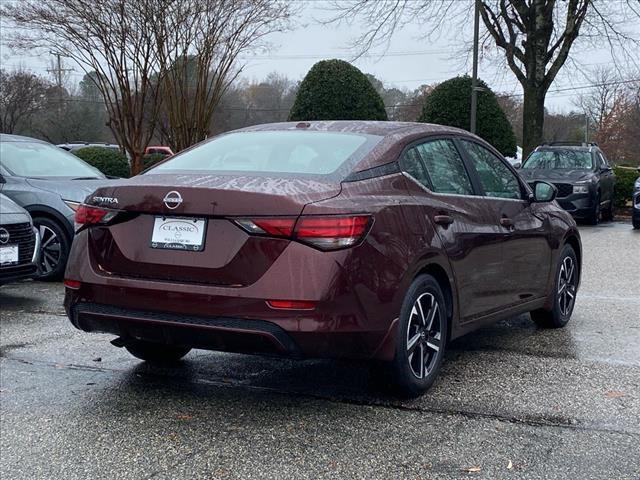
x: 229, y: 257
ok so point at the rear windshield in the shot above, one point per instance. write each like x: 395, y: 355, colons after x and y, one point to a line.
x: 553, y: 159
x: 265, y: 153
x: 35, y: 159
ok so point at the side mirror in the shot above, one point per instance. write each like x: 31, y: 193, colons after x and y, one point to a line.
x: 2, y: 180
x: 517, y: 165
x: 544, y: 192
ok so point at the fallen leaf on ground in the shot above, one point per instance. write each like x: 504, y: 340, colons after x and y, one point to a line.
x: 472, y: 469
x: 510, y: 466
x: 614, y: 394
x: 185, y: 417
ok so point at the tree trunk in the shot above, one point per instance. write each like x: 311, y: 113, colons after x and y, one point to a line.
x: 533, y: 118
x: 137, y: 163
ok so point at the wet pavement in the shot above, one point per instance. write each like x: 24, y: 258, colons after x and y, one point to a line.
x: 513, y: 401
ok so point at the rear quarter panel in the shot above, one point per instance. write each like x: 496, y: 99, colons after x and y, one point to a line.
x: 382, y: 268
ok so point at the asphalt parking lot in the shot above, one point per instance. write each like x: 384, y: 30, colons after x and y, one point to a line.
x: 513, y: 401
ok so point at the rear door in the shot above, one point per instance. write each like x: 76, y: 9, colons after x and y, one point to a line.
x: 524, y: 233
x: 462, y: 220
x: 607, y: 180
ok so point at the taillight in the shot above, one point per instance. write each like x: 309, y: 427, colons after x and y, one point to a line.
x: 331, y: 232
x: 90, y: 215
x: 275, y: 227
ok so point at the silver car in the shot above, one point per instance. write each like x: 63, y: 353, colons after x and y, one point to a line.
x: 19, y: 243
x: 49, y: 183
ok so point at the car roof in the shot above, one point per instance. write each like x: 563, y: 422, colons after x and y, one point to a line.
x: 366, y: 127
x: 578, y: 148
x: 395, y: 135
x: 5, y: 137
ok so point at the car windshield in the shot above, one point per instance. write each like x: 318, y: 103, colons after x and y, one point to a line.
x: 557, y: 159
x: 264, y: 153
x: 35, y: 159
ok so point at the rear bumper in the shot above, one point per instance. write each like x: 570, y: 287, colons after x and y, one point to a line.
x: 215, y: 333
x: 317, y: 337
x: 351, y: 318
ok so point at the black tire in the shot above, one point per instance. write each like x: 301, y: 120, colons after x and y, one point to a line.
x: 414, y: 335
x: 156, y: 352
x: 54, y: 248
x: 564, y: 298
x: 636, y: 223
x: 594, y: 218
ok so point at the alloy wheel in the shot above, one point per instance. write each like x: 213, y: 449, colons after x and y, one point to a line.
x: 50, y: 250
x: 424, y: 335
x: 567, y: 286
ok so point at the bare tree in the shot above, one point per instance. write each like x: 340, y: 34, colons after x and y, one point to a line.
x: 512, y: 108
x: 535, y: 37
x: 601, y: 99
x: 111, y: 37
x: 269, y: 100
x: 22, y: 94
x: 616, y: 116
x: 198, y: 43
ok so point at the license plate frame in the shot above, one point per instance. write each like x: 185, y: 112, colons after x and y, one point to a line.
x: 174, y: 233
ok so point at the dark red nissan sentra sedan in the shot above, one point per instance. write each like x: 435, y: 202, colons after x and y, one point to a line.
x: 376, y: 240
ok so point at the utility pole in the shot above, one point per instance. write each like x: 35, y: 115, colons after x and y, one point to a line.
x: 58, y: 76
x: 58, y: 70
x: 586, y: 129
x: 474, y: 78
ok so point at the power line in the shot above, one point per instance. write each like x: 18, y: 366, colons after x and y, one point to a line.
x: 562, y: 92
x: 334, y: 55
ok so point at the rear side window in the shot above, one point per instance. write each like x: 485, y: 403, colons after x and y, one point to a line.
x: 286, y: 152
x: 445, y: 170
x: 496, y: 178
x: 412, y: 164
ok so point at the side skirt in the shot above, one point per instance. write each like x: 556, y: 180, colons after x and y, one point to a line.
x: 463, y: 329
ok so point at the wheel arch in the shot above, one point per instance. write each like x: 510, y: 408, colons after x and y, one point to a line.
x: 51, y: 214
x: 441, y: 276
x: 573, y: 241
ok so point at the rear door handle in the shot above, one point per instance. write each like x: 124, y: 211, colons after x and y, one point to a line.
x: 444, y: 220
x: 506, y: 222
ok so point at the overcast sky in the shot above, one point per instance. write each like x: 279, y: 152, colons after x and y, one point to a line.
x: 409, y: 60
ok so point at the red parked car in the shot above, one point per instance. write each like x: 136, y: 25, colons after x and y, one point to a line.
x: 375, y: 240
x: 158, y: 149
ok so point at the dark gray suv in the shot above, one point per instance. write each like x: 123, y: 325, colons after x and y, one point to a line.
x: 636, y: 203
x: 50, y: 184
x: 582, y: 175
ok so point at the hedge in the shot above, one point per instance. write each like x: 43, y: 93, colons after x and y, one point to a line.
x: 336, y: 90
x: 108, y: 160
x: 151, y: 159
x: 450, y: 104
x: 625, y: 179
